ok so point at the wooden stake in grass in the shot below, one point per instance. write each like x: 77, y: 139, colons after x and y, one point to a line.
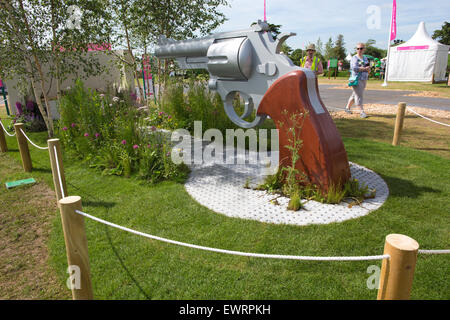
x: 397, y: 272
x: 59, y: 179
x: 76, y: 248
x: 399, y: 123
x: 3, y: 145
x: 23, y: 147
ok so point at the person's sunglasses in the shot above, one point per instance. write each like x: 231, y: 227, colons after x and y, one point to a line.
x: 360, y: 48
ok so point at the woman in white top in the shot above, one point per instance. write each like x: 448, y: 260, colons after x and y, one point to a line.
x: 359, y: 64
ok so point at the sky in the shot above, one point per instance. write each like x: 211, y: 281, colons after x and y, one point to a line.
x: 357, y: 20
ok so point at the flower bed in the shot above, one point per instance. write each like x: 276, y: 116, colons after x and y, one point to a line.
x: 110, y: 133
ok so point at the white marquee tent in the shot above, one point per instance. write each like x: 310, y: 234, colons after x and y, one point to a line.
x: 421, y: 58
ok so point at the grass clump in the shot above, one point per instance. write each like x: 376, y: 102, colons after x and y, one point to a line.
x: 190, y: 101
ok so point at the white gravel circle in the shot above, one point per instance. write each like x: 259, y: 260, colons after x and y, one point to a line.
x: 220, y: 188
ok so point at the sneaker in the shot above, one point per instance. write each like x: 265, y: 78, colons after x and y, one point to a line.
x: 363, y: 115
x: 347, y: 110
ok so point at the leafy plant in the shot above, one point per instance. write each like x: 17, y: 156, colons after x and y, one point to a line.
x: 295, y: 203
x: 30, y: 116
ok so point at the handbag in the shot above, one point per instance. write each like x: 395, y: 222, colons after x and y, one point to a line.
x: 353, y: 80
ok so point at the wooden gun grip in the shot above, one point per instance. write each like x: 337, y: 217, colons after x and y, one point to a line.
x: 323, y: 156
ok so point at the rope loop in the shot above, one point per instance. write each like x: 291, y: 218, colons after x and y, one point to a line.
x: 42, y: 148
x: 237, y: 253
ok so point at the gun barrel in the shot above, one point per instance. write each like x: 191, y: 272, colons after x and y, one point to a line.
x: 185, y: 48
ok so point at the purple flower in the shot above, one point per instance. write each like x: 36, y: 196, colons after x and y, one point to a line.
x: 149, y: 146
x: 169, y: 117
x: 124, y: 141
x: 153, y: 128
x: 65, y: 128
x: 73, y: 125
x: 97, y: 134
x: 160, y: 113
x: 19, y: 108
x: 135, y: 146
x: 30, y: 105
x: 86, y: 134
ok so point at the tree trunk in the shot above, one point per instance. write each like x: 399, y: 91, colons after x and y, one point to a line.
x: 55, y: 53
x: 49, y: 119
x: 37, y: 96
x: 133, y: 60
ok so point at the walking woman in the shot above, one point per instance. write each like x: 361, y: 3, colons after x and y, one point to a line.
x: 359, y: 66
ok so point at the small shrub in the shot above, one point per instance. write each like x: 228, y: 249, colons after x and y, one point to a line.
x: 30, y: 116
x: 295, y: 202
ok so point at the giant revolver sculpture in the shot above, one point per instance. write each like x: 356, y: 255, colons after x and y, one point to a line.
x: 249, y: 62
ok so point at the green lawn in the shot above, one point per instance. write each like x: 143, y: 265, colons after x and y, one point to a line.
x: 126, y: 266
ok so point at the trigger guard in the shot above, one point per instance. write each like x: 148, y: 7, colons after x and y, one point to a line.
x: 249, y: 106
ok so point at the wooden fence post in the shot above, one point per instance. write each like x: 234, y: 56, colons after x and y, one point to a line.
x: 23, y: 147
x: 55, y: 162
x: 76, y: 248
x: 399, y: 123
x: 3, y: 145
x: 397, y: 272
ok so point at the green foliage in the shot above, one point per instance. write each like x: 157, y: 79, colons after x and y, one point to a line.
x: 375, y: 52
x: 30, y: 116
x: 196, y: 104
x: 293, y: 178
x: 295, y: 202
x: 286, y: 49
x: 339, y: 51
x: 295, y: 56
x: 443, y: 35
x: 113, y: 135
x: 272, y: 183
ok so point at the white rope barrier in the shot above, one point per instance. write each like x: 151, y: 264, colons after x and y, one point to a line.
x: 434, y: 251
x: 9, y: 134
x: 443, y: 124
x: 59, y: 172
x: 237, y: 253
x: 42, y: 148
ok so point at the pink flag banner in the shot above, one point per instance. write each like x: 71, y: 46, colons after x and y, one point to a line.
x: 147, y: 69
x: 394, y: 21
x: 413, y: 48
x: 265, y: 16
x: 1, y: 83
